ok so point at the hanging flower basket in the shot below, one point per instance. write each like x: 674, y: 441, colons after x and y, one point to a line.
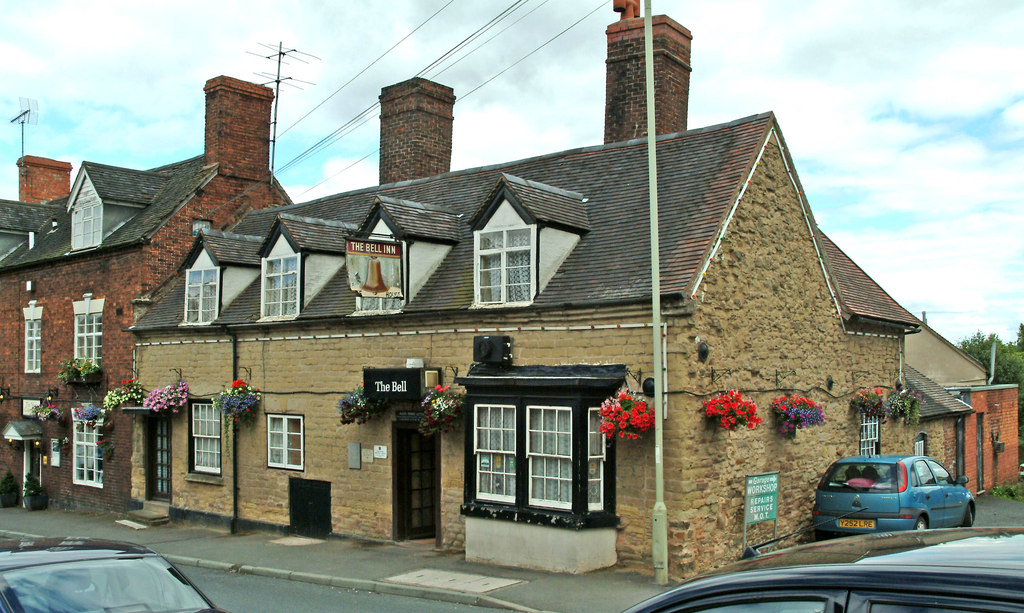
x: 731, y: 410
x: 626, y: 414
x: 795, y: 412
x: 441, y: 407
x: 905, y: 404
x: 870, y: 402
x: 79, y: 370
x: 167, y: 400
x: 241, y: 403
x: 48, y: 411
x: 89, y: 415
x: 130, y: 391
x: 357, y: 408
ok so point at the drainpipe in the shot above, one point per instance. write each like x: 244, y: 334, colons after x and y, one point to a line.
x: 659, y: 514
x: 992, y: 364
x: 234, y: 436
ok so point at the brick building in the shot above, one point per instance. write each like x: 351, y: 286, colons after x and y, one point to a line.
x: 74, y: 269
x: 548, y: 258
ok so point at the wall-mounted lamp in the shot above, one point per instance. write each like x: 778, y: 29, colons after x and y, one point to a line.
x: 5, y: 392
x: 51, y: 394
x: 829, y: 382
x: 648, y: 386
x: 14, y: 443
x: 703, y: 351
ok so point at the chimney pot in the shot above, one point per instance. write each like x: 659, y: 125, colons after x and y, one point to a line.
x: 41, y: 179
x: 238, y: 127
x: 415, y: 130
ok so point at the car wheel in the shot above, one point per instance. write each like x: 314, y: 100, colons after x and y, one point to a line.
x: 968, y: 517
x: 921, y: 523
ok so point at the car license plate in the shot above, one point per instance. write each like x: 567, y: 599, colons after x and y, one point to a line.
x: 857, y: 523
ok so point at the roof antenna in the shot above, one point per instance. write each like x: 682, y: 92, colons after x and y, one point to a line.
x: 29, y: 114
x: 279, y: 53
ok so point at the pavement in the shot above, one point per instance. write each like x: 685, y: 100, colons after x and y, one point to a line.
x: 413, y: 569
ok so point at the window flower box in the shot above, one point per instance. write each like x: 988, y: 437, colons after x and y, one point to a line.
x: 79, y: 371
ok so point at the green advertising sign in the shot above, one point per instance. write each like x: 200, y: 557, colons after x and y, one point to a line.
x: 761, y: 498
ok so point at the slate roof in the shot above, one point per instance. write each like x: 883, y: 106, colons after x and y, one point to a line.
x: 115, y: 184
x: 318, y: 235
x: 430, y: 222
x: 937, y: 401
x: 180, y: 180
x: 859, y: 295
x: 233, y: 249
x: 701, y: 172
x: 25, y: 216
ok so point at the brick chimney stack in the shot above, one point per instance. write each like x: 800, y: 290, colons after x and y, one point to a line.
x: 42, y: 179
x: 238, y: 127
x: 415, y: 130
x: 625, y: 115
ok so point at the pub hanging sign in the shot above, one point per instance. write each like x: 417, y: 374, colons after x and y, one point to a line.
x: 393, y: 383
x: 374, y: 268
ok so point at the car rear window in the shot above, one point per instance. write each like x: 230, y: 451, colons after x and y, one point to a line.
x: 861, y: 477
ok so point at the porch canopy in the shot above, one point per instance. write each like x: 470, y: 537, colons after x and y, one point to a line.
x: 23, y: 430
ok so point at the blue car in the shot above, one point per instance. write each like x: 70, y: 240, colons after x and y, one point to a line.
x: 889, y: 493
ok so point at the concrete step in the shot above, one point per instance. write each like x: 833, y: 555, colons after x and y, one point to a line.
x: 152, y: 513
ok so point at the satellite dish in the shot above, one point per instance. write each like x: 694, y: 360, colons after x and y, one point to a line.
x: 29, y: 114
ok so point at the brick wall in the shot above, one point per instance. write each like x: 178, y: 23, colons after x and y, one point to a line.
x: 238, y: 127
x: 625, y: 80
x: 41, y: 179
x: 415, y: 130
x: 998, y: 408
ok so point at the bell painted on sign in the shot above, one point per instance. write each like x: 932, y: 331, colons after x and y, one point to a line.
x: 374, y: 279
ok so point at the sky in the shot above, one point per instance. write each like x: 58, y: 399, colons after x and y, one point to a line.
x: 905, y: 118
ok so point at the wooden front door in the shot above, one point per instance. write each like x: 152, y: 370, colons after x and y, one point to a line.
x: 158, y: 459
x: 416, y: 484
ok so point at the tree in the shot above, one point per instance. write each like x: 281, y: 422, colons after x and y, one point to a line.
x: 1009, y: 361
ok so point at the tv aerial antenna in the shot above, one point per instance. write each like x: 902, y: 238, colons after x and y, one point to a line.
x: 29, y: 114
x: 280, y: 55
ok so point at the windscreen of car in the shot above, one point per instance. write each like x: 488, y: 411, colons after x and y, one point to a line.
x: 861, y: 477
x: 87, y: 586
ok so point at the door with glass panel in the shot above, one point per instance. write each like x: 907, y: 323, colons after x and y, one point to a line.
x: 158, y: 460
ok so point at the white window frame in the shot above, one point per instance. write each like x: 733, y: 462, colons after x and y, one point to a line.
x: 869, y: 434
x: 86, y: 225
x: 89, y: 337
x: 33, y: 345
x: 204, y: 304
x: 87, y: 465
x: 595, y: 459
x: 206, y: 438
x: 479, y: 253
x: 284, y: 447
x: 537, y: 458
x: 493, y: 455
x: 282, y: 305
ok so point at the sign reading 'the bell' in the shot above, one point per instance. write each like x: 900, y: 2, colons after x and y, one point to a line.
x: 393, y: 383
x: 374, y: 268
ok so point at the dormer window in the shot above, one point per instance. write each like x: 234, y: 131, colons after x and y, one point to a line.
x: 504, y: 266
x: 86, y: 225
x: 281, y: 286
x: 201, y: 295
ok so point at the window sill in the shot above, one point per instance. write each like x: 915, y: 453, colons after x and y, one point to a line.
x: 500, y: 305
x: 204, y: 478
x: 272, y: 318
x: 541, y: 517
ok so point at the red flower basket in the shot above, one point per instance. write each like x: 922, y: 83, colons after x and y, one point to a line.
x: 627, y: 415
x: 731, y: 410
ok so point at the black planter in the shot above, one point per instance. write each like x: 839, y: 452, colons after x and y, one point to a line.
x: 8, y: 500
x: 37, y: 503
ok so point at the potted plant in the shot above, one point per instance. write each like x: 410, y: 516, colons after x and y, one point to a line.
x: 79, y: 370
x: 130, y: 391
x: 795, y: 412
x: 356, y: 408
x: 905, y: 404
x: 35, y: 496
x: 731, y: 410
x: 106, y: 449
x: 8, y: 490
x: 238, y: 404
x: 870, y: 401
x: 47, y: 411
x: 626, y: 414
x: 441, y: 407
x: 167, y: 400
x: 89, y: 415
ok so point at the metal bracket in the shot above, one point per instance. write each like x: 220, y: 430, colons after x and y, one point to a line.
x: 715, y: 378
x: 781, y: 375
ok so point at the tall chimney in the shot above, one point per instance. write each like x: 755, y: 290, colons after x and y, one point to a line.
x: 42, y: 179
x: 415, y: 130
x: 625, y: 114
x: 238, y: 127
